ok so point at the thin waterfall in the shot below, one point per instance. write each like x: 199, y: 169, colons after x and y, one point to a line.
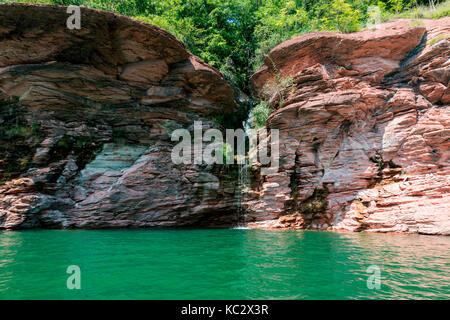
x: 243, y: 186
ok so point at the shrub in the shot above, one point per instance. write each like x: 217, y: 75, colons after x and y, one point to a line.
x: 338, y: 15
x: 19, y: 131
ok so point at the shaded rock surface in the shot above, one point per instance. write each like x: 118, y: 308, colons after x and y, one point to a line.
x: 364, y: 124
x: 85, y: 120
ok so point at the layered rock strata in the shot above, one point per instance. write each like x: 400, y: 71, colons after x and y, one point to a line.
x: 364, y: 125
x: 86, y: 117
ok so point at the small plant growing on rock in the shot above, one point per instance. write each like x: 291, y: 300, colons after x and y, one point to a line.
x: 275, y: 89
x: 439, y: 38
x: 416, y: 23
x: 260, y: 113
x: 314, y: 207
x: 20, y: 131
x: 278, y: 86
x: 317, y: 203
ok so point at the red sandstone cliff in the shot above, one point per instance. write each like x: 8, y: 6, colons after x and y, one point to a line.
x: 364, y: 131
x: 85, y: 119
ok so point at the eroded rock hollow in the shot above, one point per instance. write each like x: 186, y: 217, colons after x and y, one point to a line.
x: 364, y: 122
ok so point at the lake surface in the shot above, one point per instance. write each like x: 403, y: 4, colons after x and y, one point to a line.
x: 222, y: 264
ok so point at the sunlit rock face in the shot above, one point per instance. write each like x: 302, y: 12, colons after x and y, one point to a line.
x: 85, y: 120
x: 364, y: 131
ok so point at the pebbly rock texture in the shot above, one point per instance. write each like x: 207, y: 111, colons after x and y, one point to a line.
x: 85, y: 118
x: 364, y: 124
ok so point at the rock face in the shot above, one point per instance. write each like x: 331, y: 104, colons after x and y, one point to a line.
x: 85, y: 119
x: 364, y: 125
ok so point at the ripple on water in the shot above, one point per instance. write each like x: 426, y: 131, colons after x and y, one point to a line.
x: 221, y: 264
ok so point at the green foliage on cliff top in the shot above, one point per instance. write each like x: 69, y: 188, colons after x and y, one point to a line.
x: 235, y: 35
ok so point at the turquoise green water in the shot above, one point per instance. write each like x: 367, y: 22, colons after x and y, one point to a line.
x: 221, y: 264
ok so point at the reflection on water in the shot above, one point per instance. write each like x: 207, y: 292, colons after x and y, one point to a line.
x: 9, y: 247
x: 222, y: 264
